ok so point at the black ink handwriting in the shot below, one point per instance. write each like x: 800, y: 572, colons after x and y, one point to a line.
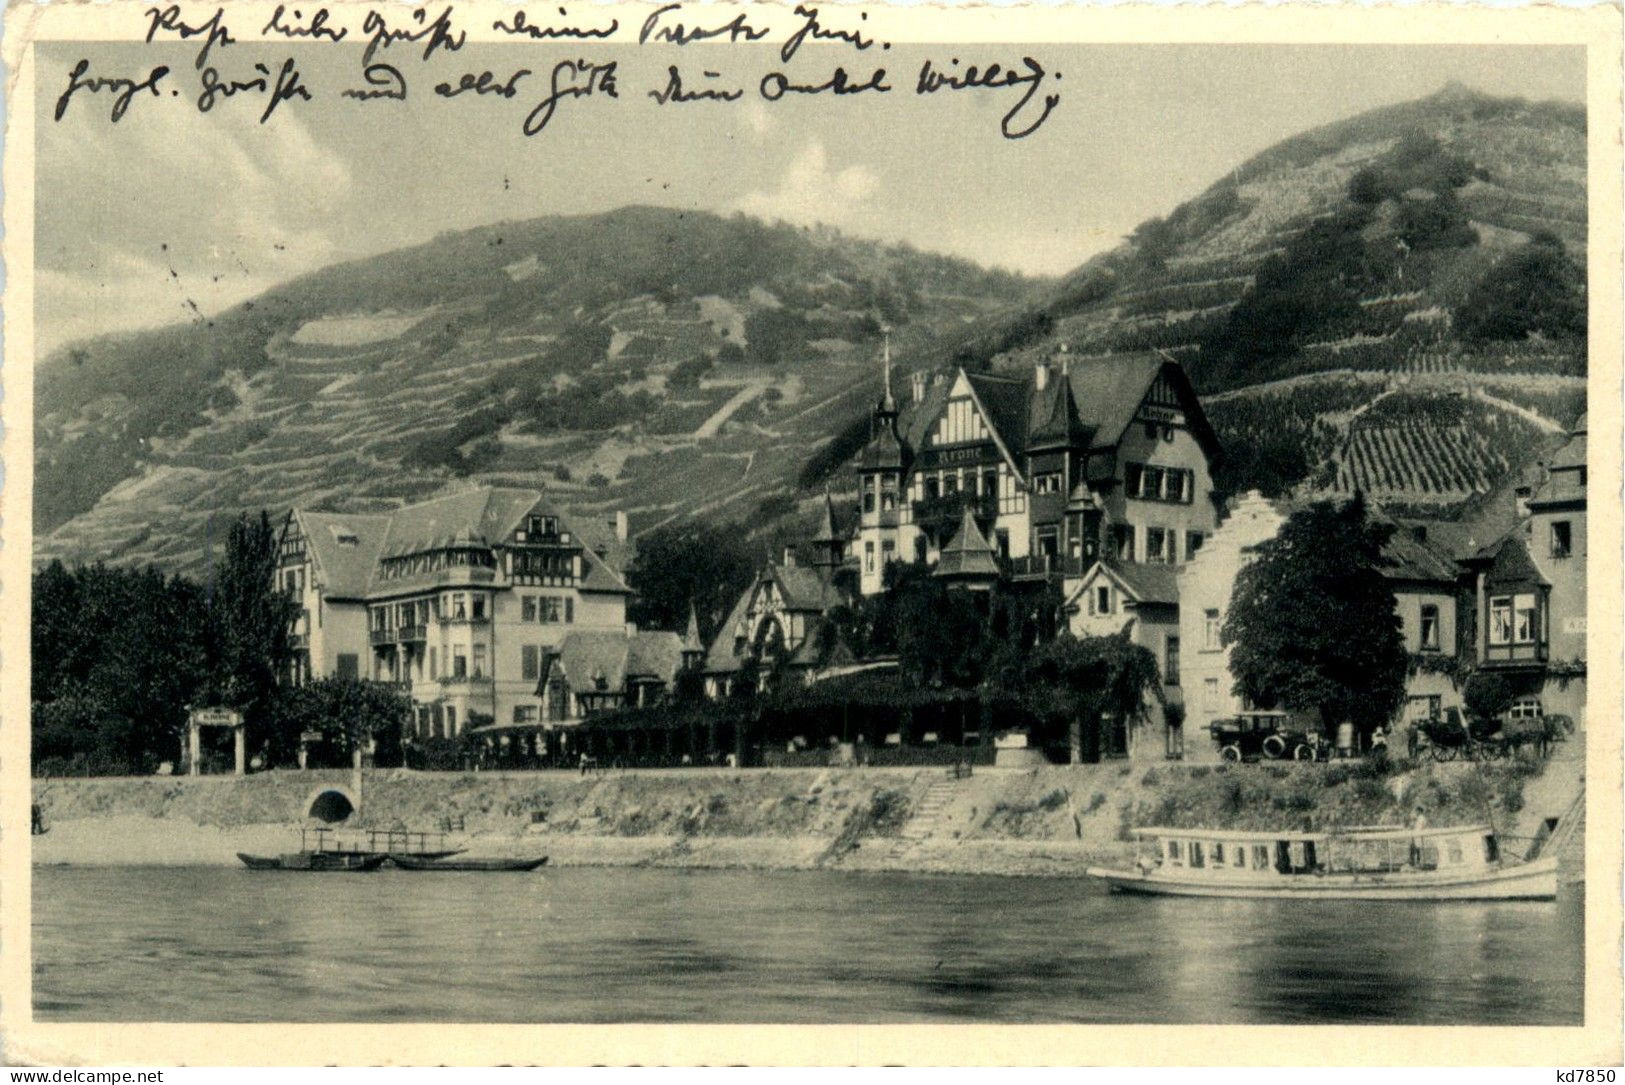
x: 994, y: 76
x: 776, y: 85
x: 811, y: 29
x: 734, y: 29
x: 169, y: 19
x: 484, y: 83
x: 123, y: 89
x: 572, y: 79
x: 387, y: 78
x: 317, y: 29
x: 281, y: 87
x: 439, y: 33
x: 674, y: 92
x: 522, y: 27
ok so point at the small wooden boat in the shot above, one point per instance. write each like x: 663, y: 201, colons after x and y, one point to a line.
x: 1462, y: 863
x: 418, y: 862
x: 313, y: 861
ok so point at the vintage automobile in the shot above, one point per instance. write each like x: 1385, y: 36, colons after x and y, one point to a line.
x: 1272, y: 736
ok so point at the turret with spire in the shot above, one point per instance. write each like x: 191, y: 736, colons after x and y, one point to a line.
x: 880, y: 469
x: 693, y: 647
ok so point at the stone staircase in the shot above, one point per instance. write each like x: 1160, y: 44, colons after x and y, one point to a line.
x: 930, y: 819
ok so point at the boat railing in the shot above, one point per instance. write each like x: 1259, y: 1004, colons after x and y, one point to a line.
x: 371, y: 841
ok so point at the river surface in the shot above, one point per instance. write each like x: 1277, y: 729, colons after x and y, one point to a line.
x: 616, y: 945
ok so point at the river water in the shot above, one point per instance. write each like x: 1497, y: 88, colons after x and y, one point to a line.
x: 618, y: 945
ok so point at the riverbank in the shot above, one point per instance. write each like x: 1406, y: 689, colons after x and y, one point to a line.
x: 1050, y: 821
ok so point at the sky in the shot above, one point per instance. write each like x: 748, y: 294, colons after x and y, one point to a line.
x: 169, y: 209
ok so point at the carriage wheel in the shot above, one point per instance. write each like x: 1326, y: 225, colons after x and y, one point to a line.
x: 1444, y: 753
x: 1274, y: 747
x: 1230, y: 753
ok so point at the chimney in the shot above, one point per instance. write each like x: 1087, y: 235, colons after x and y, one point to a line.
x: 789, y: 557
x: 916, y: 380
x: 1041, y: 376
x: 617, y: 524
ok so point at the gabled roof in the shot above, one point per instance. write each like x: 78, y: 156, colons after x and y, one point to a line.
x: 1408, y: 558
x: 655, y: 654
x: 343, y: 568
x: 597, y: 576
x: 804, y: 588
x: 480, y: 517
x: 1507, y: 558
x: 1005, y: 402
x: 585, y: 655
x: 967, y: 555
x: 721, y: 657
x: 1109, y: 390
x: 1054, y: 420
x: 1142, y: 582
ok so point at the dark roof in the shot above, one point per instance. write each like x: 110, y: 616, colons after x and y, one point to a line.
x: 826, y: 523
x: 1109, y: 390
x: 884, y: 449
x: 588, y: 654
x: 484, y: 516
x: 691, y: 637
x: 1054, y: 420
x: 968, y: 554
x: 805, y: 588
x: 344, y: 568
x: 721, y: 658
x: 1006, y: 402
x: 1408, y: 558
x: 1147, y: 582
x: 1507, y: 558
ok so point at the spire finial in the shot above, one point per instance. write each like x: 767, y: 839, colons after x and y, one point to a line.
x: 885, y: 330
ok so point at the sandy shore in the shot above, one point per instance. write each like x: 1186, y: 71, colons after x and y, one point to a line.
x: 145, y: 841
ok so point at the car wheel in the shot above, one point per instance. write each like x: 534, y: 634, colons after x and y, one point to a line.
x: 1230, y: 753
x: 1274, y: 747
x: 1302, y: 752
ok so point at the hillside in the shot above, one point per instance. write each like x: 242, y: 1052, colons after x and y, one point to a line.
x: 1393, y: 303
x: 656, y: 360
x: 1432, y: 250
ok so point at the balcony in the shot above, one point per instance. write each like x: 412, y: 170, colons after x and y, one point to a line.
x: 1039, y: 566
x: 299, y: 642
x: 940, y: 516
x: 465, y: 680
x: 412, y: 634
x: 380, y: 637
x: 466, y: 619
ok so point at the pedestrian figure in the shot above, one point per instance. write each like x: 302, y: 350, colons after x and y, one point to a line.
x: 36, y: 824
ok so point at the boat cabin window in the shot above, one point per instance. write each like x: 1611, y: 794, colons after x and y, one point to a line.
x: 1294, y: 856
x: 1261, y: 856
x: 1176, y: 852
x: 1239, y: 855
x: 1452, y: 851
x: 1218, y: 853
x: 1492, y: 851
x: 1198, y: 856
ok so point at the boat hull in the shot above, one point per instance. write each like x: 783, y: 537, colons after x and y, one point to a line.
x: 313, y: 862
x: 1526, y: 881
x: 415, y: 862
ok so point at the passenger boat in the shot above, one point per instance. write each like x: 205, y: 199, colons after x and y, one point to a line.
x: 418, y: 862
x: 1463, y: 863
x: 313, y: 861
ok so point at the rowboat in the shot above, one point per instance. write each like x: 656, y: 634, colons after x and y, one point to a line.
x: 418, y: 862
x: 313, y: 861
x: 1380, y: 863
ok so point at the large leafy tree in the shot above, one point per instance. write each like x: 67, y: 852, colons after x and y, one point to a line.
x: 251, y: 618
x: 344, y: 711
x: 706, y: 565
x: 1312, y: 624
x: 1075, y: 686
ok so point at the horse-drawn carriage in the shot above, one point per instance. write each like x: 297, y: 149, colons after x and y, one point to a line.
x: 1451, y: 736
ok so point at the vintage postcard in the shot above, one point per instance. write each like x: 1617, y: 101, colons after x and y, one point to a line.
x: 709, y: 533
